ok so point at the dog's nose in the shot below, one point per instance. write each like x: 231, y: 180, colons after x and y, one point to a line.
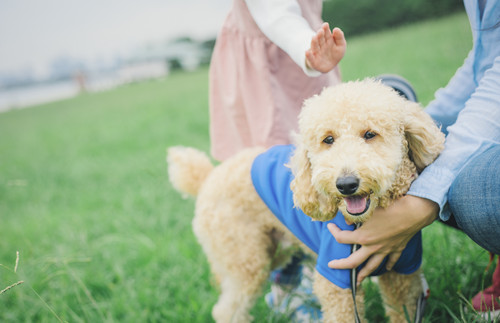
x: 347, y: 185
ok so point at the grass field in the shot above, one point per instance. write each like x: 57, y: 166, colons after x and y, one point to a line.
x: 102, y: 237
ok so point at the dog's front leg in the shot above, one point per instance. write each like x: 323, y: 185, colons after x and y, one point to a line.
x: 400, y: 292
x: 337, y: 303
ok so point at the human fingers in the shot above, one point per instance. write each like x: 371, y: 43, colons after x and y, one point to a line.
x: 338, y: 36
x: 327, y: 32
x: 314, y: 44
x: 353, y: 261
x: 342, y: 236
x: 371, y: 265
x: 321, y: 37
x: 309, y: 55
x: 393, y: 258
x: 309, y: 59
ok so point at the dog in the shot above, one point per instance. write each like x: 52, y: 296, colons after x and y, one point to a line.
x: 359, y: 146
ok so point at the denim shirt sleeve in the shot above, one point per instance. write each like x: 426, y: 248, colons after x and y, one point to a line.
x: 468, y: 108
x: 449, y: 101
x: 476, y: 129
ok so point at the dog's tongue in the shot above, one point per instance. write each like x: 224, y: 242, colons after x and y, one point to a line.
x: 355, y: 204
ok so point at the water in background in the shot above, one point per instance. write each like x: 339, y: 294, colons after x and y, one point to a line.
x: 30, y: 95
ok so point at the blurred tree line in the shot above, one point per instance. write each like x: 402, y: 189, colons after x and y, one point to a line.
x: 364, y: 16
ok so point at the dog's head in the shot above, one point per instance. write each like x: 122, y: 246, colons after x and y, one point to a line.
x: 360, y: 145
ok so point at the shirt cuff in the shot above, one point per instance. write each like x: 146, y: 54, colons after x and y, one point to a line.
x: 433, y: 184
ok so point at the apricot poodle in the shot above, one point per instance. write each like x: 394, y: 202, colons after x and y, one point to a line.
x: 359, y: 146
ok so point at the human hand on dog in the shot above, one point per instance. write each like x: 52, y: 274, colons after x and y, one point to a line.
x: 378, y: 240
x: 327, y: 49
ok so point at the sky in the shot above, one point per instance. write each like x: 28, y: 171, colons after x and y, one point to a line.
x: 35, y: 32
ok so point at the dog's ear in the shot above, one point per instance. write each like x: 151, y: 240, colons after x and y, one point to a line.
x: 425, y: 140
x: 304, y: 195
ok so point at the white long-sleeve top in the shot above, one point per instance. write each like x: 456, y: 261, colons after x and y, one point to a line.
x: 282, y: 22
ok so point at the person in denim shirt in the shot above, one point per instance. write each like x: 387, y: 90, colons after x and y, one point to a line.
x: 462, y: 186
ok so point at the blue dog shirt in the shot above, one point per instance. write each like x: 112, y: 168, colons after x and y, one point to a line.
x: 271, y: 179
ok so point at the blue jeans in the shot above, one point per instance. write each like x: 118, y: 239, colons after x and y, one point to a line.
x: 474, y: 200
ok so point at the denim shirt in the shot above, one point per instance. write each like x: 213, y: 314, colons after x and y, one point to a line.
x: 468, y: 108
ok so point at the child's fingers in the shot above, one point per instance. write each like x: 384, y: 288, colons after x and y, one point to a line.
x: 328, y: 37
x: 309, y: 58
x: 321, y: 38
x: 315, y: 44
x: 338, y: 36
x: 326, y: 30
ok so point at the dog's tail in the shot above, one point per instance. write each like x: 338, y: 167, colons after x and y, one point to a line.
x: 187, y: 169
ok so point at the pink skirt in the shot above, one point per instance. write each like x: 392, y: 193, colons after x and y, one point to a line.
x: 256, y: 91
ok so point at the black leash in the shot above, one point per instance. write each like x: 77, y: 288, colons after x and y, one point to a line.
x: 421, y: 302
x: 354, y: 281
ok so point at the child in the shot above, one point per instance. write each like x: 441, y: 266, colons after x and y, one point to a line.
x: 266, y: 61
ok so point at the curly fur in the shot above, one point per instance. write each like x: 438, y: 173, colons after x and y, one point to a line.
x: 185, y: 160
x: 407, y: 140
x: 240, y: 236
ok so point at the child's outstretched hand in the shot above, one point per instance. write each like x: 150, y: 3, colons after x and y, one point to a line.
x: 327, y: 49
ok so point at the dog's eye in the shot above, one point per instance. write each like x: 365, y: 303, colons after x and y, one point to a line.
x: 369, y: 135
x: 328, y: 140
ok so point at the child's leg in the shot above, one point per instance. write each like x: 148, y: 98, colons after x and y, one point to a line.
x: 291, y: 291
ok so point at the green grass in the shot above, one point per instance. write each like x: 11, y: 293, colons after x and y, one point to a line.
x: 85, y: 199
x: 427, y: 54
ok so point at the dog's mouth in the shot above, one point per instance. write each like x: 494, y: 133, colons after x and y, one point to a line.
x: 357, y: 205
